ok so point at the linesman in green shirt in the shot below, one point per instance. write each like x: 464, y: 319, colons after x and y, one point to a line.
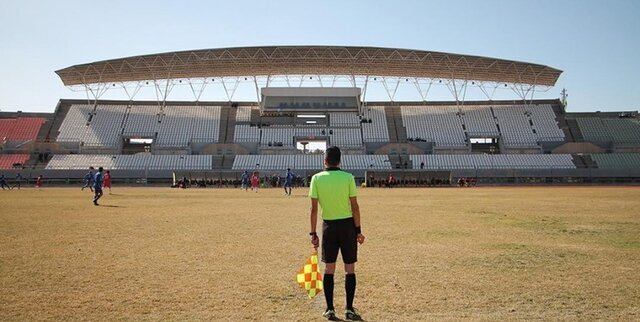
x: 335, y: 191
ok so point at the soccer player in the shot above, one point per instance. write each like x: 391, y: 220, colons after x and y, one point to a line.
x: 3, y: 182
x: 245, y: 180
x: 97, y: 186
x: 18, y: 181
x: 88, y: 179
x: 255, y: 181
x: 335, y: 191
x: 288, y: 181
x: 107, y: 181
x: 39, y: 182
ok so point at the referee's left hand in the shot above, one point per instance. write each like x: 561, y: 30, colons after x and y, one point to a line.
x: 360, y: 239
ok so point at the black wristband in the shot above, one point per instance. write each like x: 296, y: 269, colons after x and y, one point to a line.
x: 313, y: 233
x: 358, y: 230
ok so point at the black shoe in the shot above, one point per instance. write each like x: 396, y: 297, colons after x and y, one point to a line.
x: 330, y: 315
x: 95, y: 203
x: 352, y: 315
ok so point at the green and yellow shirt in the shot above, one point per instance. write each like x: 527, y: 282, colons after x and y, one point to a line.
x: 333, y: 188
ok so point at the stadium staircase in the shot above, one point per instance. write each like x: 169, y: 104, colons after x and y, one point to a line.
x: 228, y: 116
x: 588, y: 161
x: 217, y: 162
x: 397, y: 132
x: 58, y: 117
x: 583, y: 161
x: 574, y: 130
x: 255, y: 116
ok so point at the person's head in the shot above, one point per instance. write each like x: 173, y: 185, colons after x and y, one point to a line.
x: 108, y: 172
x: 332, y: 157
x: 288, y: 169
x: 91, y: 168
x: 100, y: 169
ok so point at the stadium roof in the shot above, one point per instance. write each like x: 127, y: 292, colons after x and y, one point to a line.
x: 308, y: 60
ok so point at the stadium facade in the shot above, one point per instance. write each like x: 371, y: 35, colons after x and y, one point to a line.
x: 522, y: 140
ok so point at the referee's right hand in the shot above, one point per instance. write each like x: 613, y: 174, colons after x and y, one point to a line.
x: 315, y: 241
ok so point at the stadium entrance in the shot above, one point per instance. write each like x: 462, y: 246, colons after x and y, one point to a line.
x: 133, y: 145
x: 485, y: 145
x: 311, y: 145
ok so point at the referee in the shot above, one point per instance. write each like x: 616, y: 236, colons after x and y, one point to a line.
x: 335, y: 191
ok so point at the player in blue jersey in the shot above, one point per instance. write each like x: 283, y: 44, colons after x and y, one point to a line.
x: 18, y: 181
x: 3, y: 182
x: 245, y: 180
x: 288, y: 182
x: 88, y: 179
x: 97, y: 186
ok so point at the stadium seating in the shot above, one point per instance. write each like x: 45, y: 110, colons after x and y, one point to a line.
x: 377, y: 130
x: 105, y: 126
x: 617, y: 160
x: 479, y: 121
x: 286, y: 134
x: 345, y: 137
x: 544, y: 122
x: 496, y: 161
x: 8, y: 160
x: 181, y: 124
x: 246, y: 133
x: 243, y: 114
x: 264, y: 162
x: 514, y: 126
x: 440, y: 124
x: 130, y: 162
x: 75, y: 124
x: 20, y: 129
x: 620, y: 131
x: 308, y: 162
x: 142, y: 120
x: 175, y: 127
x: 344, y: 119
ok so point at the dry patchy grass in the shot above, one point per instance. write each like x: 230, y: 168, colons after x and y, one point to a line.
x: 445, y: 254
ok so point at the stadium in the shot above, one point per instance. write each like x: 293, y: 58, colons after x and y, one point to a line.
x: 551, y: 232
x: 310, y: 97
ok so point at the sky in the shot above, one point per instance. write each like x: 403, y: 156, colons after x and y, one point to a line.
x: 595, y: 43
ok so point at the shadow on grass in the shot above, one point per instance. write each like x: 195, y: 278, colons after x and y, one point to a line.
x: 111, y: 206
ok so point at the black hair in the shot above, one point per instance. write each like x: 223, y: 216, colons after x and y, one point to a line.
x: 100, y: 169
x: 332, y: 156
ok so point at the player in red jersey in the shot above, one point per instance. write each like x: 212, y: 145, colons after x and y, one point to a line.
x: 39, y: 182
x: 106, y: 181
x: 255, y: 181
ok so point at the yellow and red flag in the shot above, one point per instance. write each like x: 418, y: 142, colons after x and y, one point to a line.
x: 310, y: 277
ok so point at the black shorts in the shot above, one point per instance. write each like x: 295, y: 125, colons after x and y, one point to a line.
x: 339, y: 235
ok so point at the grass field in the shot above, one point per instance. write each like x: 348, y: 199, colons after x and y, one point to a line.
x: 446, y: 254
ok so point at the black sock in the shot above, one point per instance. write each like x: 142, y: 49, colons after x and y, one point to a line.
x: 328, y: 290
x: 350, y: 287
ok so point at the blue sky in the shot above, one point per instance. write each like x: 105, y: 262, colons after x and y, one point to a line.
x: 595, y: 43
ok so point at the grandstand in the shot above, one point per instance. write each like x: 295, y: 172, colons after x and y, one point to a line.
x: 519, y: 138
